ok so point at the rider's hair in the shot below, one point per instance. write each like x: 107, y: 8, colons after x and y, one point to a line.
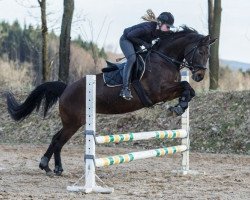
x: 149, y: 16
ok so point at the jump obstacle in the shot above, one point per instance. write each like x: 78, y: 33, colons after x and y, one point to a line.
x: 91, y: 139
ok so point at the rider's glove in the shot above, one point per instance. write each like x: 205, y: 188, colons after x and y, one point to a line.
x: 147, y: 46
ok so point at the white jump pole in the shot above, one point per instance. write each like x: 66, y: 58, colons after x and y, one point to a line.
x: 185, y: 126
x: 90, y: 182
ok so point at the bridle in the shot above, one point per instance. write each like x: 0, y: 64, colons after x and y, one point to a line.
x: 191, y: 66
x: 188, y: 63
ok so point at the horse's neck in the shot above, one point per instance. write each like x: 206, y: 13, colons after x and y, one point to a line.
x: 176, y: 49
x: 161, y: 66
x: 178, y: 46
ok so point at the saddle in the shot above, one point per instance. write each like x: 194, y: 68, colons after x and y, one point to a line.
x: 113, y: 73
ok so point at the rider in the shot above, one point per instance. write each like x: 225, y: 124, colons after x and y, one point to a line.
x: 140, y: 35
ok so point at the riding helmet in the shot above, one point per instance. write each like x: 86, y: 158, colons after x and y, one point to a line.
x: 166, y: 18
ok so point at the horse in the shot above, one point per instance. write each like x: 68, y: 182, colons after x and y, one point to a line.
x: 161, y: 82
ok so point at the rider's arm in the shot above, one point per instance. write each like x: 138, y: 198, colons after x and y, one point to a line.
x: 136, y: 34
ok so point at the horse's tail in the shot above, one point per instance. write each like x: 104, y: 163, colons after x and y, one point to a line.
x: 49, y: 91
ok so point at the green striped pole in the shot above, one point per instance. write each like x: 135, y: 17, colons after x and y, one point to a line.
x: 170, y: 134
x: 119, y: 159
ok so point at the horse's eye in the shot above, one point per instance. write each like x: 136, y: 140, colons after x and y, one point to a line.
x: 201, y: 52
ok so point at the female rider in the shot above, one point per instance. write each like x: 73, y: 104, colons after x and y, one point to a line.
x: 140, y: 35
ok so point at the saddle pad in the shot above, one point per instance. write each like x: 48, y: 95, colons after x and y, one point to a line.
x: 113, y: 78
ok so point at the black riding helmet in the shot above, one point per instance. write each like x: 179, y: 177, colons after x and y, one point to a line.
x: 166, y: 18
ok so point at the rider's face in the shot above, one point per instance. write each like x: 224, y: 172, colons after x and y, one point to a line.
x: 165, y: 28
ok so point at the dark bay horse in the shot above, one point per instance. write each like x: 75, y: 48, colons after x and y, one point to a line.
x: 162, y: 83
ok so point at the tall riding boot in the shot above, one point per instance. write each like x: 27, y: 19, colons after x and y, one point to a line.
x: 126, y: 92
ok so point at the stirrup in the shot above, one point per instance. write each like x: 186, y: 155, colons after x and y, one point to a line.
x: 126, y: 94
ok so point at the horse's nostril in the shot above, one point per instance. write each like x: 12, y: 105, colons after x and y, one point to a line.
x: 200, y: 77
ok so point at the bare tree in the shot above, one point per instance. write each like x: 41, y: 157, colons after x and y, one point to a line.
x: 214, y: 21
x: 93, y: 42
x: 64, y: 49
x: 45, y: 66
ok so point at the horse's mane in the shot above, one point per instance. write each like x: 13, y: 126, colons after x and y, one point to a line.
x: 183, y: 31
x: 186, y: 30
x: 169, y: 37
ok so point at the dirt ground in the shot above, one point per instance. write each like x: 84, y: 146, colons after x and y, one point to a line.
x: 221, y: 176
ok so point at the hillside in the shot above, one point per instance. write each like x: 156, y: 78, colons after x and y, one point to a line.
x: 235, y: 65
x: 220, y: 123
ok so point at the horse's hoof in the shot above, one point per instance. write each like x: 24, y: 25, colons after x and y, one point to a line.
x: 58, y: 170
x: 44, y: 165
x: 50, y: 173
x: 170, y: 113
x: 45, y: 168
x: 176, y: 111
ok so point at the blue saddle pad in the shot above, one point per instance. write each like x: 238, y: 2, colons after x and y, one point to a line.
x: 112, y: 74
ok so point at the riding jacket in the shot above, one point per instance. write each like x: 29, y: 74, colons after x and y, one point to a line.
x: 141, y: 34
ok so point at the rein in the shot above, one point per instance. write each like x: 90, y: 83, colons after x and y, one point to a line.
x: 184, y: 63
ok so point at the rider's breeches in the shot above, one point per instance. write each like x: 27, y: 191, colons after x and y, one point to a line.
x: 129, y: 52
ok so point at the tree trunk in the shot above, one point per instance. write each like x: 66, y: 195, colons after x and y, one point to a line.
x: 210, y: 15
x: 214, y: 19
x: 45, y: 66
x: 64, y: 49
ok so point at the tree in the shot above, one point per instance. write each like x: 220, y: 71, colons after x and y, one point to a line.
x: 64, y: 48
x: 10, y: 38
x: 214, y: 21
x: 45, y: 66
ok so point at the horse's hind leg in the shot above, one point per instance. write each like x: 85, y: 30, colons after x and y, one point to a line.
x: 59, y: 143
x: 44, y: 164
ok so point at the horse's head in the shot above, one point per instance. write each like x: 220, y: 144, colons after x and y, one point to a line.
x: 186, y: 48
x: 196, y: 55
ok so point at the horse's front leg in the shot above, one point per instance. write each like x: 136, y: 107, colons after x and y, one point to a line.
x: 187, y: 94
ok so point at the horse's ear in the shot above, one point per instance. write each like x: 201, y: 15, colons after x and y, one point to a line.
x: 212, y: 41
x: 206, y: 39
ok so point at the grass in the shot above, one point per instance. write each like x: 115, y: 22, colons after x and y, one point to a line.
x: 15, y: 76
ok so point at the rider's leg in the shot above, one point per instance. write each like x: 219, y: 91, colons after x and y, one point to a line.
x: 129, y: 52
